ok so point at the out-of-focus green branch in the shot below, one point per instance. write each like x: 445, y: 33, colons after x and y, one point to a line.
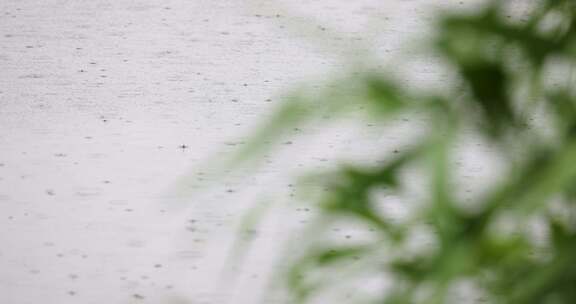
x: 465, y: 245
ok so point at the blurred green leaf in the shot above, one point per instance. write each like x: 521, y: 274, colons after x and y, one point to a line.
x: 485, y: 48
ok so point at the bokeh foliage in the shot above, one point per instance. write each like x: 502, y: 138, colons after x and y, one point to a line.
x: 503, y: 66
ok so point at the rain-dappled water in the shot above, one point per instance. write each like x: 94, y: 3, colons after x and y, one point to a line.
x: 104, y: 107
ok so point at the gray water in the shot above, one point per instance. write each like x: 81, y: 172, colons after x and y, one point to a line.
x: 106, y: 108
